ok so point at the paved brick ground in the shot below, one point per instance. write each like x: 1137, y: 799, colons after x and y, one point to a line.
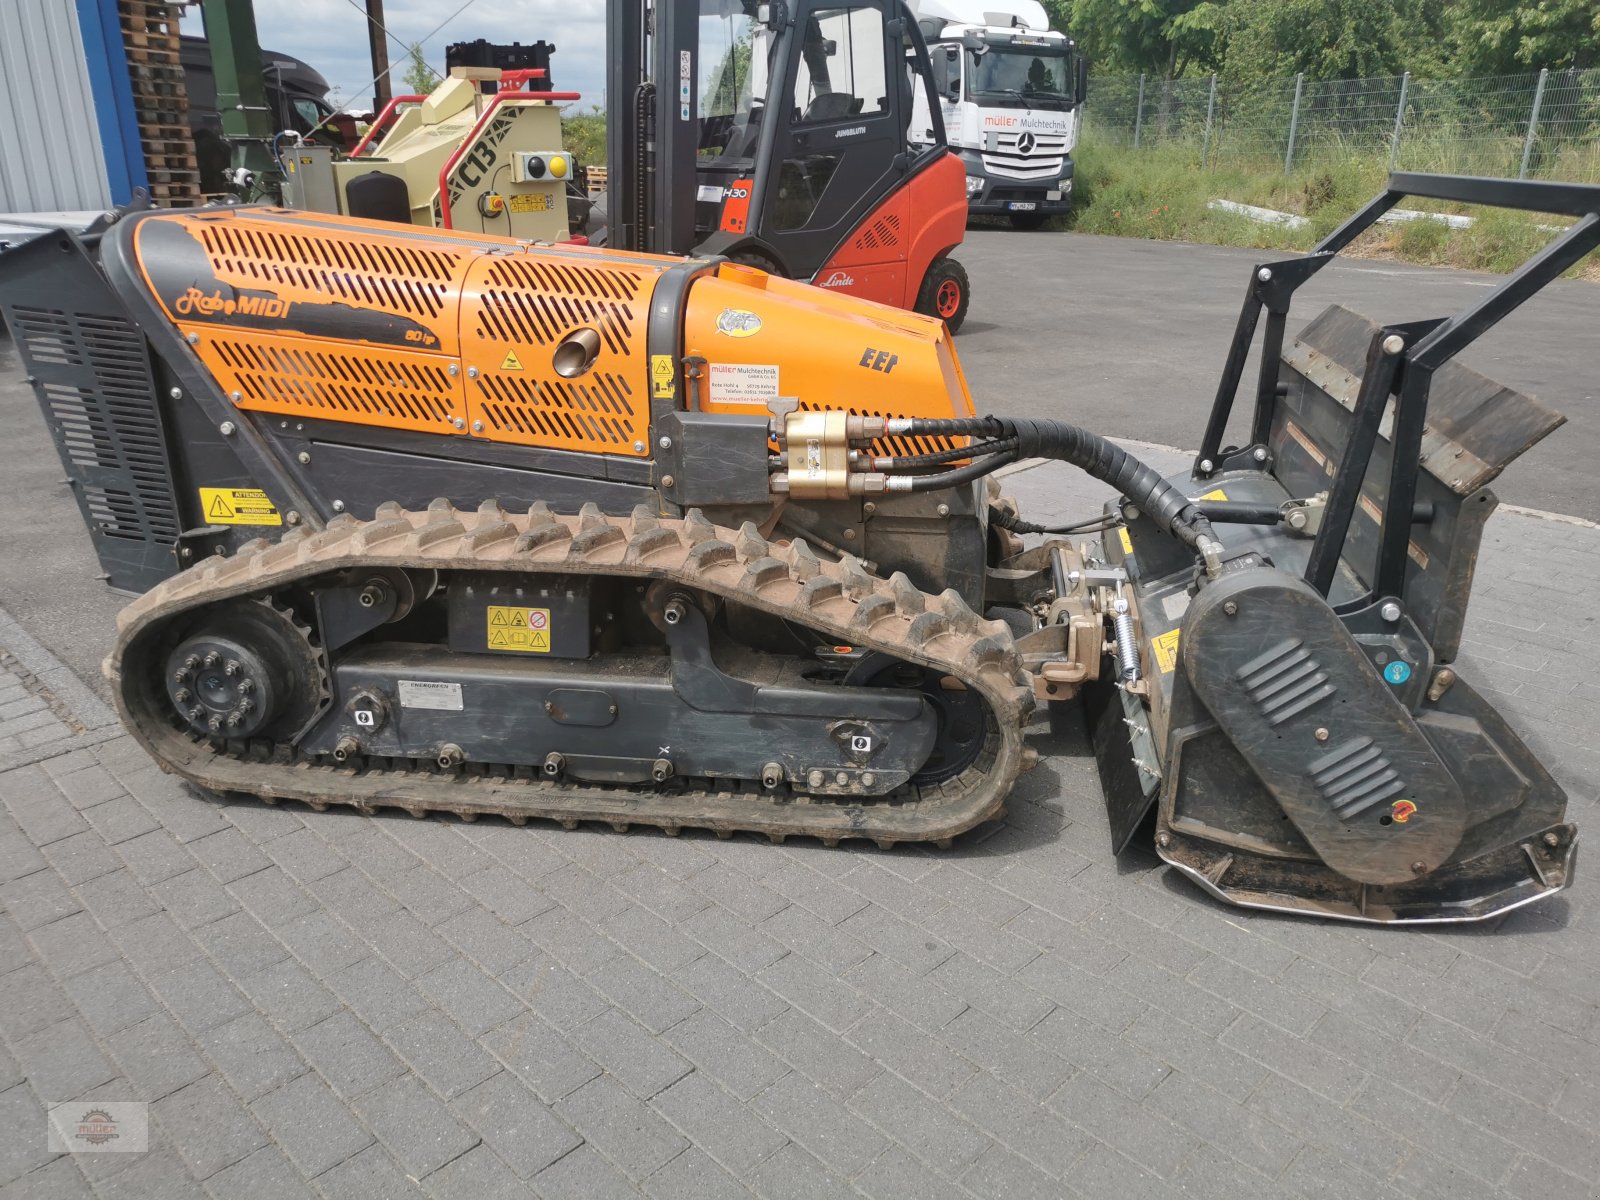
x: 323, y: 1004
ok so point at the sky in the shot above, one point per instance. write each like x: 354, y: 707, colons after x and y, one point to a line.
x: 331, y: 35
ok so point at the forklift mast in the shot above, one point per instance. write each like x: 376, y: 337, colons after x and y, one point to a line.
x: 777, y: 132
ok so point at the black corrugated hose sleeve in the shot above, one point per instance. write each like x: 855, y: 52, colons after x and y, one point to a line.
x: 1093, y: 454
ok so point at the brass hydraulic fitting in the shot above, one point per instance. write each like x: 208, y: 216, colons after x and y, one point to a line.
x: 821, y: 458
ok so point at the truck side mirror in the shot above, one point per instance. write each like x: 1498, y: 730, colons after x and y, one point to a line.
x: 1081, y: 90
x: 951, y: 82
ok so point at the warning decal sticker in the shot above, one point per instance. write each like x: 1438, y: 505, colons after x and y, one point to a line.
x: 238, y: 506
x: 1127, y: 542
x: 511, y: 362
x: 1217, y: 494
x: 661, y: 375
x: 515, y: 628
x: 532, y: 202
x: 1166, y: 649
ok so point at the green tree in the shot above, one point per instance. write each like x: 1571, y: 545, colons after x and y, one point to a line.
x: 1331, y: 39
x: 1504, y: 37
x: 419, y: 77
x: 1164, y: 37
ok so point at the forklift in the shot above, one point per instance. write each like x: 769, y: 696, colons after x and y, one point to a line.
x: 777, y: 133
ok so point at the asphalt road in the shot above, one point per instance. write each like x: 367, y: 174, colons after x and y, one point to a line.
x: 1128, y: 337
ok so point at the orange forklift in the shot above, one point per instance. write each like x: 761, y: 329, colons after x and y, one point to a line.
x: 778, y: 133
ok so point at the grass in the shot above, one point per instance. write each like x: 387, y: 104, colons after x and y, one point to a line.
x: 1161, y: 193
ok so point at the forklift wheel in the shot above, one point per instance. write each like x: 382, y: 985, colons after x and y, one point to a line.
x: 945, y: 293
x: 758, y: 260
x: 1028, y: 221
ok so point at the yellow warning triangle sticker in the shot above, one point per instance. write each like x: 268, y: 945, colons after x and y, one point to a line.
x: 499, y: 617
x: 518, y: 620
x: 219, y: 508
x: 511, y: 362
x: 499, y: 638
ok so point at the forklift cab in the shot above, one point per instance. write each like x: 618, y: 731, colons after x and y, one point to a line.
x: 803, y: 120
x: 791, y: 117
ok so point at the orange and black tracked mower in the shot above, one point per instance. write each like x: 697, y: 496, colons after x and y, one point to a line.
x: 449, y: 523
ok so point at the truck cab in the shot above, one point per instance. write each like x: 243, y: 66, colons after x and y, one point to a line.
x: 1009, y: 90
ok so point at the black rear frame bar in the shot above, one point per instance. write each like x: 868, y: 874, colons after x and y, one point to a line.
x: 1404, y: 371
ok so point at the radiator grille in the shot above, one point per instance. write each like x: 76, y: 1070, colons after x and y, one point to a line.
x: 533, y: 303
x: 368, y: 386
x: 380, y: 273
x: 518, y: 309
x: 48, y: 336
x: 1044, y: 157
x: 102, y: 410
x: 598, y: 410
x: 1354, y: 777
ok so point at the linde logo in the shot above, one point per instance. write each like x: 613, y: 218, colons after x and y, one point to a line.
x: 194, y: 302
x: 838, y: 279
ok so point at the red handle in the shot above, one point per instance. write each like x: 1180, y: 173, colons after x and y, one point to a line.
x: 381, y: 119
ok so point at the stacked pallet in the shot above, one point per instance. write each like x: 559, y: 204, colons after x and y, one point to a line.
x: 160, y: 101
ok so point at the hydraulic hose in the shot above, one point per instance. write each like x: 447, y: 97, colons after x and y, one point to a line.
x: 1144, y: 487
x: 1007, y: 520
x: 917, y: 462
x: 947, y: 479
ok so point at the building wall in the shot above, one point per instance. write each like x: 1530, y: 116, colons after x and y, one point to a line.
x: 51, y: 156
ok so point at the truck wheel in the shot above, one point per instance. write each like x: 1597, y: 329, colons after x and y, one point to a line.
x: 1028, y: 221
x: 945, y: 293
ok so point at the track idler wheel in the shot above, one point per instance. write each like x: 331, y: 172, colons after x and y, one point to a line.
x: 241, y: 671
x: 962, y: 715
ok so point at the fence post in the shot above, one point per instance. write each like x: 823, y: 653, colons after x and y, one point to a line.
x: 1533, y: 122
x: 1138, y: 115
x: 1399, y: 120
x: 1294, y: 121
x: 1211, y: 108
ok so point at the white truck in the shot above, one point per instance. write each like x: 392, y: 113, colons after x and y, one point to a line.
x: 1010, y: 88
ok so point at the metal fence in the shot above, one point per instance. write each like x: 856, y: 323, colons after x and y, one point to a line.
x: 1544, y: 125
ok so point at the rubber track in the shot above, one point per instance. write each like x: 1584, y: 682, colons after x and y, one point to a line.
x: 838, y: 599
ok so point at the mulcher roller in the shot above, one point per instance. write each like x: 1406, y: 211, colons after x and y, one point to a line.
x: 455, y: 524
